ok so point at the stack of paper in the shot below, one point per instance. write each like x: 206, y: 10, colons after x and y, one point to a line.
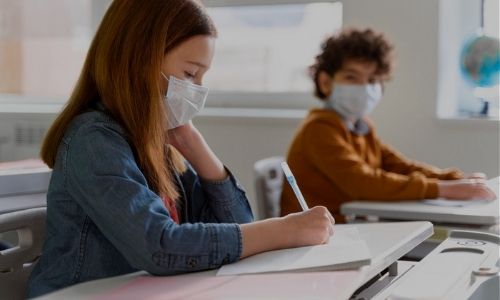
x: 345, y: 250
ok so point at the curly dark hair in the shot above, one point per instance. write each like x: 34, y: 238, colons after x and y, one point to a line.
x: 352, y: 43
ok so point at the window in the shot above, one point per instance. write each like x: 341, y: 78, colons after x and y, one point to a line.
x: 490, y: 24
x: 460, y: 21
x: 263, y: 52
x: 261, y: 49
x: 490, y: 17
x: 268, y: 48
x: 43, y: 44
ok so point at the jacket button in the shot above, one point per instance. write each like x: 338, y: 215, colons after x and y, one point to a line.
x: 192, y: 262
x: 225, y: 260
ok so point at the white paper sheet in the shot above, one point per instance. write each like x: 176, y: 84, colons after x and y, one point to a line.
x: 455, y: 203
x: 345, y: 250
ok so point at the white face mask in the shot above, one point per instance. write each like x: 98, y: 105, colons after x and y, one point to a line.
x: 354, y: 101
x: 183, y: 100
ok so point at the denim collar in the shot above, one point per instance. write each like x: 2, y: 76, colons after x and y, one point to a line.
x: 100, y: 107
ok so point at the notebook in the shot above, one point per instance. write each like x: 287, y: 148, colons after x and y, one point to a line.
x: 455, y: 203
x: 345, y: 250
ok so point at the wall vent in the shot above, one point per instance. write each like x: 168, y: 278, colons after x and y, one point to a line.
x: 28, y: 134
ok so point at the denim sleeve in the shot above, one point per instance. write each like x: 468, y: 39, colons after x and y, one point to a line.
x: 216, y: 201
x: 104, y: 179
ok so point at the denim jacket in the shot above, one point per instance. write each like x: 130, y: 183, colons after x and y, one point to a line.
x: 103, y: 220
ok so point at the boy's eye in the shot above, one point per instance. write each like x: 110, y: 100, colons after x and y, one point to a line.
x: 189, y: 75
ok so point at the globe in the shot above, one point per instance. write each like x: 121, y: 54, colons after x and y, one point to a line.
x: 480, y: 60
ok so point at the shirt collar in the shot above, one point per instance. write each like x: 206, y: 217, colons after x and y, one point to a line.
x: 359, y: 127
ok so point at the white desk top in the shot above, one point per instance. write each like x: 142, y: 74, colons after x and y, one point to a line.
x: 21, y: 202
x: 23, y: 185
x: 387, y: 243
x: 24, y: 177
x: 480, y: 214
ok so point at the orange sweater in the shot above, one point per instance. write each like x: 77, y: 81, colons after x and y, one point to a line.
x: 333, y: 165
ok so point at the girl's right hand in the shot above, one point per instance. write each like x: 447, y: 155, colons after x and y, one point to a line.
x: 465, y: 189
x: 308, y: 228
x: 311, y: 227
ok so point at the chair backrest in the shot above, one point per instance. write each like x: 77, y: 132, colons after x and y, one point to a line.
x: 17, y: 263
x: 268, y: 185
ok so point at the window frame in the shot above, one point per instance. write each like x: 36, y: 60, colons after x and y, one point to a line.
x: 454, y: 94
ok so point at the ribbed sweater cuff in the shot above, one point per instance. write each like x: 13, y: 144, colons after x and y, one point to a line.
x: 432, y: 190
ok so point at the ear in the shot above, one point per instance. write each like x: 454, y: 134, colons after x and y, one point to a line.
x: 325, y: 83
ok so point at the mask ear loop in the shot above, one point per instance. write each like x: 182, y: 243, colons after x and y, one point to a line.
x: 165, y: 76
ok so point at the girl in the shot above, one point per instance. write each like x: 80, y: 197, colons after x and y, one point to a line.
x: 134, y: 184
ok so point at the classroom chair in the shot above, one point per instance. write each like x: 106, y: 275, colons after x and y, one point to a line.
x: 16, y: 263
x: 268, y: 185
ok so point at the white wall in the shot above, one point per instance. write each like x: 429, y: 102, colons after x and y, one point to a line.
x: 406, y: 118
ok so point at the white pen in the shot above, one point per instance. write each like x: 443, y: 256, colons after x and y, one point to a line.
x: 293, y: 183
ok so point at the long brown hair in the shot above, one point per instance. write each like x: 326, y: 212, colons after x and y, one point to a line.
x: 123, y: 68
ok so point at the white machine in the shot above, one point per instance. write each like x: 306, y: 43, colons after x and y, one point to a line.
x: 464, y: 266
x: 478, y: 216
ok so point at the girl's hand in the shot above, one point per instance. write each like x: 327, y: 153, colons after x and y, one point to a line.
x: 191, y: 144
x: 184, y: 137
x: 312, y: 227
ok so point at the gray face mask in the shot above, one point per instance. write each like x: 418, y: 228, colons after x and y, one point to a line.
x: 354, y: 101
x: 183, y: 100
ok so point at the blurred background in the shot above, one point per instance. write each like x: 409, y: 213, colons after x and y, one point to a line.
x: 259, y: 85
